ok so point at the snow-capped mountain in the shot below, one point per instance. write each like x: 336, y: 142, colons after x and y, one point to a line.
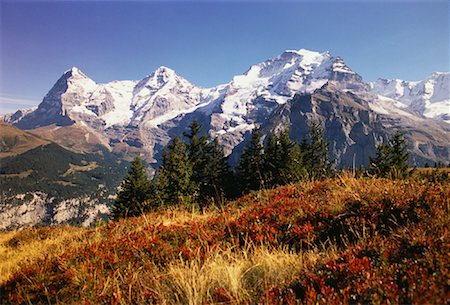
x: 251, y: 97
x: 139, y: 117
x: 429, y: 97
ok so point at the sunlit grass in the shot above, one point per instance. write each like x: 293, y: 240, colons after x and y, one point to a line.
x: 336, y: 241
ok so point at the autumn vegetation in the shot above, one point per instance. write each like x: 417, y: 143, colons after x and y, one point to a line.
x: 341, y: 240
x: 296, y: 232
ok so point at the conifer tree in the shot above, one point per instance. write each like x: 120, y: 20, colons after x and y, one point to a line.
x: 317, y: 157
x: 173, y: 178
x: 135, y: 191
x: 290, y: 159
x: 391, y: 159
x: 250, y: 164
x: 381, y: 164
x: 272, y: 160
x: 399, y: 154
x: 217, y: 169
x: 198, y: 152
x: 283, y: 160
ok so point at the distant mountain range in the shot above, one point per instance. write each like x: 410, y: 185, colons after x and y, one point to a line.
x: 133, y: 118
x: 80, y: 124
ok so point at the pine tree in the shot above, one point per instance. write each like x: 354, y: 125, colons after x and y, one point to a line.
x: 135, y: 191
x: 391, y: 159
x: 250, y: 164
x: 291, y: 159
x: 283, y: 160
x: 217, y: 169
x: 317, y: 157
x: 399, y: 155
x: 381, y: 164
x: 173, y: 179
x: 272, y: 160
x: 198, y: 152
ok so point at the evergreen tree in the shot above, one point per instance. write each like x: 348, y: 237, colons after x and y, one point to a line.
x: 317, y: 156
x: 391, y: 159
x: 283, y: 160
x: 291, y: 159
x: 250, y: 164
x: 217, y: 169
x: 198, y: 152
x: 272, y: 160
x: 399, y: 154
x: 381, y: 164
x: 135, y: 190
x: 173, y: 179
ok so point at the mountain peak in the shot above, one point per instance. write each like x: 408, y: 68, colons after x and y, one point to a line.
x: 74, y: 71
x: 437, y: 74
x: 303, y: 52
x: 159, y: 78
x: 164, y: 70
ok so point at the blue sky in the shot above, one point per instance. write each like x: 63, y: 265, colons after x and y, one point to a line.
x: 208, y: 42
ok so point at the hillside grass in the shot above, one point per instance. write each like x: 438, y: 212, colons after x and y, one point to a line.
x: 342, y: 240
x: 14, y: 141
x: 73, y: 168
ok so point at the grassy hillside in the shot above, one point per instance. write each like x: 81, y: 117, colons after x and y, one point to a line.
x: 342, y: 240
x: 74, y: 137
x: 14, y: 141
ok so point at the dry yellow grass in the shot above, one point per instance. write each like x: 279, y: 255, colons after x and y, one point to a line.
x: 27, y: 245
x: 78, y: 168
x: 23, y: 174
x: 14, y: 141
x: 158, y: 256
x: 196, y: 282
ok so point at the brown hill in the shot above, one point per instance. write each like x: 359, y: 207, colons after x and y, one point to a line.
x: 14, y: 141
x: 74, y: 137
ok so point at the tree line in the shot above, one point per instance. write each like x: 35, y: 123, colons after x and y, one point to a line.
x: 196, y: 171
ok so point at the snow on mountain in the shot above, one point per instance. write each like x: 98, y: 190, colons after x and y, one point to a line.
x: 13, y: 118
x: 429, y: 97
x: 162, y: 96
x: 140, y: 117
x: 118, y: 95
x: 279, y: 78
x: 253, y: 95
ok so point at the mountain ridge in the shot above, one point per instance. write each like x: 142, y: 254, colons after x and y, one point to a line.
x: 140, y: 117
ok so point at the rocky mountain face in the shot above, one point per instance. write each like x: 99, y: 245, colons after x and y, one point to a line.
x: 133, y: 118
x: 354, y: 129
x: 39, y: 209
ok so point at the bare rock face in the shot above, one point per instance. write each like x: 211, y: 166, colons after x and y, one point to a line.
x: 354, y: 130
x: 38, y: 209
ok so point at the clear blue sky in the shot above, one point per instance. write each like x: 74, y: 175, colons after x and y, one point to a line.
x: 208, y: 42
